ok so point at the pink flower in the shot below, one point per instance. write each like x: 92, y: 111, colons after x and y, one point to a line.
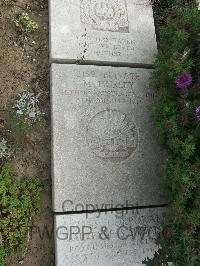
x: 167, y: 232
x: 161, y: 253
x: 181, y: 118
x: 183, y: 26
x: 190, y: 227
x: 181, y: 103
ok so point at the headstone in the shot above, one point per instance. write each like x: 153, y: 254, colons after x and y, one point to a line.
x: 123, y: 238
x: 105, y: 154
x: 102, y: 31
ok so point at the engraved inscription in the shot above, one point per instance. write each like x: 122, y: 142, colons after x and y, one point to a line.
x: 112, y: 136
x: 112, y: 239
x: 102, y: 97
x: 105, y: 15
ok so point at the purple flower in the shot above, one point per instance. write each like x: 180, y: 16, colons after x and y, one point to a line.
x: 197, y: 109
x: 183, y: 80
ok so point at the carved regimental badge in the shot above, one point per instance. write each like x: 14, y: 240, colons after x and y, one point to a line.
x: 112, y: 136
x: 107, y: 15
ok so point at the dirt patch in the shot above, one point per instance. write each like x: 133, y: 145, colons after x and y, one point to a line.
x: 24, y: 66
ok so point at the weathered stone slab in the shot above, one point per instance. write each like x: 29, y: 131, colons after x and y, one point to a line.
x: 102, y: 31
x: 104, y: 145
x: 107, y: 239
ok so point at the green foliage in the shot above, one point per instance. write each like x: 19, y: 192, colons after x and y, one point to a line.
x: 19, y: 201
x: 17, y: 126
x: 7, y: 2
x: 178, y: 132
x: 24, y: 23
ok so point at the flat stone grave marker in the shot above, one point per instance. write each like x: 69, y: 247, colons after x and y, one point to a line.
x: 102, y: 31
x: 104, y: 151
x: 108, y: 238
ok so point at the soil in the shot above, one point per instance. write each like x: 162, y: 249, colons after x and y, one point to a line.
x: 24, y: 66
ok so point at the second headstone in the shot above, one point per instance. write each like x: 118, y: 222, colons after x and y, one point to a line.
x: 105, y: 154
